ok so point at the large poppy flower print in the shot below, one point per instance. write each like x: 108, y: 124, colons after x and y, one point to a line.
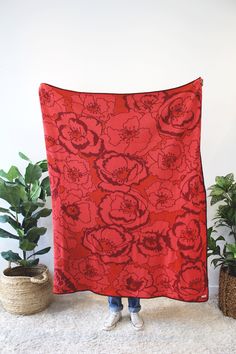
x: 55, y: 186
x: 166, y: 161
x: 111, y: 244
x: 186, y: 235
x: 65, y: 244
x: 76, y: 175
x: 130, y: 133
x: 79, y: 134
x: 192, y: 153
x: 50, y: 99
x: 125, y: 209
x: 120, y: 171
x: 76, y: 213
x: 164, y: 280
x: 153, y: 243
x: 91, y: 270
x: 134, y: 280
x: 193, y: 192
x: 147, y: 103
x: 161, y: 196
x: 46, y: 97
x: 51, y: 139
x: 63, y: 282
x: 179, y: 114
x: 94, y: 105
x: 191, y: 281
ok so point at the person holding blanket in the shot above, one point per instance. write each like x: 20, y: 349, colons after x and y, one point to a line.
x: 116, y: 306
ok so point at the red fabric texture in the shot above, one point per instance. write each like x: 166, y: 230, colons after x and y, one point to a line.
x: 128, y: 194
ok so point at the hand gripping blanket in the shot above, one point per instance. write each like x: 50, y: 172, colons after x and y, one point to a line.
x: 128, y: 194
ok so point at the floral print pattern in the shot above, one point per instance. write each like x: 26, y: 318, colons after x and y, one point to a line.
x: 79, y: 134
x: 112, y: 243
x: 179, y: 114
x: 120, y: 171
x: 94, y: 106
x: 125, y: 209
x: 128, y: 195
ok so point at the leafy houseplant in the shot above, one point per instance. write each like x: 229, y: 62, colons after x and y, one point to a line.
x: 26, y: 194
x: 223, y: 192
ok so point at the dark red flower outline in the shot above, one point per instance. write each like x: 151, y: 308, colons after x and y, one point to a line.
x: 77, y: 133
x: 124, y: 209
x: 179, y: 114
x: 112, y: 244
x: 119, y: 171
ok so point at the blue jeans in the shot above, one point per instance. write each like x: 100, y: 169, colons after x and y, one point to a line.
x: 115, y: 304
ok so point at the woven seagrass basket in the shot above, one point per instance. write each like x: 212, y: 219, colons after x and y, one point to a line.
x: 227, y: 292
x: 26, y: 290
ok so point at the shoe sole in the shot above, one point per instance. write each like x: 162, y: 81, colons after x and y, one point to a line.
x: 112, y: 327
x: 137, y: 328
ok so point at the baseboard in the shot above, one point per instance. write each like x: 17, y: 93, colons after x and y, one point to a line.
x: 213, y: 290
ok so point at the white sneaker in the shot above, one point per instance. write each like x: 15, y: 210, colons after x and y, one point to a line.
x: 112, y: 320
x: 136, y: 320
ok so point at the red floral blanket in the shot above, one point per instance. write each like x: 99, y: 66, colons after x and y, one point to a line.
x: 128, y: 195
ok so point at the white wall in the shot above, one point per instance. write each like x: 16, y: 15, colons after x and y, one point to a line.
x: 117, y: 46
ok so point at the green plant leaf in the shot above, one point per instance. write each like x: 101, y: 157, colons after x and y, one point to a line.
x: 33, y: 262
x: 21, y: 181
x: 24, y: 157
x: 224, y: 182
x: 27, y: 245
x: 41, y: 213
x: 42, y: 251
x: 6, y: 218
x: 12, y: 192
x: 4, y: 210
x: 231, y: 247
x: 3, y: 174
x: 11, y: 256
x: 217, y: 191
x: 6, y: 234
x: 35, y: 232
x: 28, y: 207
x: 215, y: 199
x: 29, y: 263
x: 20, y: 232
x: 224, y: 250
x: 40, y: 204
x: 45, y: 184
x: 230, y: 177
x: 13, y: 173
x: 217, y: 250
x: 35, y: 191
x: 220, y: 181
x: 33, y: 173
x: 43, y: 195
x: 31, y: 221
x: 43, y: 165
x: 210, y: 230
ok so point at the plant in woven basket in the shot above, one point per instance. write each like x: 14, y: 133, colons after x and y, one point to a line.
x: 26, y: 195
x: 224, y: 193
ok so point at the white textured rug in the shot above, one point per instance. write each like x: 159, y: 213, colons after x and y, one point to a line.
x: 73, y: 322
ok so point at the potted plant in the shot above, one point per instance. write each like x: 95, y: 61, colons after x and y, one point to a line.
x: 27, y: 287
x: 223, y: 193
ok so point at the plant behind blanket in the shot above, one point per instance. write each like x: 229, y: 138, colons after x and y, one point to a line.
x: 223, y: 192
x: 26, y: 194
